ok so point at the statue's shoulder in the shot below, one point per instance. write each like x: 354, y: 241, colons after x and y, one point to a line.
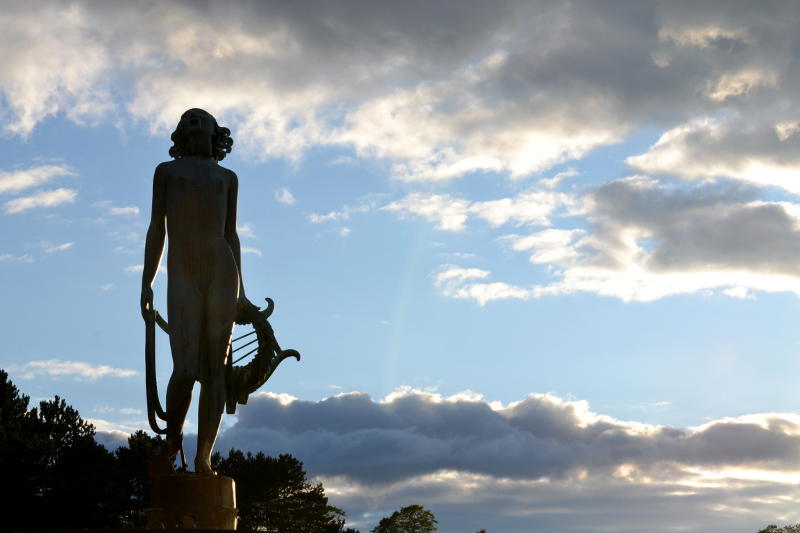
x: 166, y: 168
x: 231, y: 175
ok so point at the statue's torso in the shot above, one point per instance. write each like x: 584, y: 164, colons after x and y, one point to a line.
x: 196, y: 205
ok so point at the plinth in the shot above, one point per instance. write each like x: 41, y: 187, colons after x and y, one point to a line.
x: 192, y: 501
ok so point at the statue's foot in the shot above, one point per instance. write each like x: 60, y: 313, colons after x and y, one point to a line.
x: 203, y: 467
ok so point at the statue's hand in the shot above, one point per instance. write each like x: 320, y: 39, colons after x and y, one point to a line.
x: 244, y: 310
x: 147, y: 302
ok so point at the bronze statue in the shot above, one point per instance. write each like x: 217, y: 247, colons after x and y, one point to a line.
x: 194, y: 203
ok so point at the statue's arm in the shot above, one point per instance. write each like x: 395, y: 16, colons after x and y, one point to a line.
x: 230, y: 230
x: 154, y: 244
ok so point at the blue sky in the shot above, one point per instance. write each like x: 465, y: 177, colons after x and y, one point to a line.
x: 540, y: 258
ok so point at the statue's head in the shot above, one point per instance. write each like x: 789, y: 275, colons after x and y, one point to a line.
x: 196, y: 124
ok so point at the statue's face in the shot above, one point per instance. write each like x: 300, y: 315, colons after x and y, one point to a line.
x: 196, y: 121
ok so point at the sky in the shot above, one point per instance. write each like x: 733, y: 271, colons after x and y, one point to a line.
x: 540, y: 258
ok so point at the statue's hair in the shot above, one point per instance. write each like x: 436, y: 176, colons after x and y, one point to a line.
x: 221, y: 141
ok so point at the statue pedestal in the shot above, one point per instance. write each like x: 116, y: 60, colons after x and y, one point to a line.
x: 192, y: 501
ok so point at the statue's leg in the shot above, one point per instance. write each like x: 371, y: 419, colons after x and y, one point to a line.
x: 220, y: 312
x: 185, y: 319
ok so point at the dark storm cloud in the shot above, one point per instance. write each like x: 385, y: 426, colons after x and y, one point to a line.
x: 416, y: 434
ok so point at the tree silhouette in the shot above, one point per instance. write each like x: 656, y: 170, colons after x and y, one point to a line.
x: 274, y: 495
x: 57, y: 477
x: 772, y: 528
x: 410, y: 519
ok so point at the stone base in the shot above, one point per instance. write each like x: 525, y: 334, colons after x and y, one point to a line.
x: 192, y: 501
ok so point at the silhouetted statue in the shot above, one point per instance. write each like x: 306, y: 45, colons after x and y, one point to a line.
x: 194, y: 201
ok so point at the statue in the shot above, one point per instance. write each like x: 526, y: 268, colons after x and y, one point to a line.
x: 194, y: 204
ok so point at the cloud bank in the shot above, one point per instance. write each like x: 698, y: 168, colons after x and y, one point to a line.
x: 539, y: 462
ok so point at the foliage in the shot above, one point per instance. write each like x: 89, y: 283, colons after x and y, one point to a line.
x: 57, y: 477
x: 772, y: 528
x: 274, y: 495
x: 410, y: 519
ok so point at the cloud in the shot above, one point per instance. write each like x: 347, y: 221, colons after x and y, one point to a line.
x: 55, y: 61
x: 253, y: 251
x: 245, y: 230
x: 12, y: 258
x: 118, y: 410
x: 542, y: 458
x: 127, y: 210
x: 451, y: 214
x: 114, y: 210
x: 762, y: 152
x: 19, y: 180
x: 648, y: 239
x: 42, y: 199
x: 345, y: 212
x: 50, y: 249
x: 512, y: 88
x: 285, y: 196
x: 56, y: 368
x: 140, y: 268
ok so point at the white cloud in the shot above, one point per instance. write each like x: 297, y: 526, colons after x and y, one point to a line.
x: 344, y: 232
x: 115, y: 210
x: 140, y: 268
x: 245, y: 230
x: 757, y: 152
x: 56, y: 368
x: 49, y: 249
x: 344, y: 213
x: 117, y: 410
x: 555, y: 181
x: 285, y: 196
x: 127, y: 210
x: 457, y: 282
x: 451, y: 214
x: 55, y: 60
x: 42, y: 199
x: 250, y: 250
x: 454, y: 274
x: 12, y: 258
x: 106, y: 287
x: 19, y: 180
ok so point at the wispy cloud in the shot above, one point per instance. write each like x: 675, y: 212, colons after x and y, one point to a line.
x: 13, y: 258
x: 140, y: 268
x: 245, y: 230
x: 56, y: 368
x: 109, y: 208
x: 50, y: 249
x: 251, y: 250
x: 451, y: 214
x: 285, y: 196
x: 19, y: 180
x: 117, y: 410
x: 42, y: 199
x: 344, y: 213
